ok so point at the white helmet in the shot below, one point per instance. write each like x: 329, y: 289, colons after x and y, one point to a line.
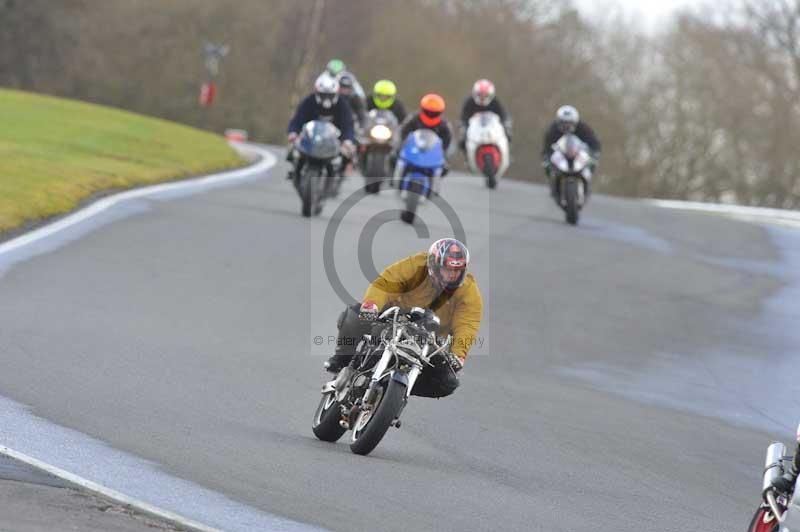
x: 326, y: 90
x: 567, y: 118
x: 483, y: 92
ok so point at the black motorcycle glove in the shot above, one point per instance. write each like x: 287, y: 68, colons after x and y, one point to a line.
x: 785, y: 483
x: 454, y: 361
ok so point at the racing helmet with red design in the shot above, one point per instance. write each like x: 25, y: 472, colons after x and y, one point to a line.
x: 447, y: 263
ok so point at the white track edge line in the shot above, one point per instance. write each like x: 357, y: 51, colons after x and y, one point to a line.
x: 740, y: 210
x: 144, y: 507
x: 267, y: 161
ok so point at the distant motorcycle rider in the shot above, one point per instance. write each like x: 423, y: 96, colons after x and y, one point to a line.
x: 357, y: 103
x: 567, y: 120
x: 481, y: 100
x: 436, y: 280
x: 431, y: 107
x: 337, y: 69
x: 323, y: 104
x: 384, y: 96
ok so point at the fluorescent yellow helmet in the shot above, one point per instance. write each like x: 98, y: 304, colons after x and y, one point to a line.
x: 384, y: 93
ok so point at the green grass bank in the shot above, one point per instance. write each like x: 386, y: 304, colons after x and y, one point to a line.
x: 56, y: 152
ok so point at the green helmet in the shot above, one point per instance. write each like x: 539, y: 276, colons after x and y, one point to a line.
x: 335, y: 67
x: 383, y: 94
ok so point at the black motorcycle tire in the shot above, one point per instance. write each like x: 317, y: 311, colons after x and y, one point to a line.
x: 386, y: 411
x: 375, y: 170
x: 412, y: 202
x: 326, y: 424
x: 489, y: 171
x: 309, y: 189
x: 571, y: 199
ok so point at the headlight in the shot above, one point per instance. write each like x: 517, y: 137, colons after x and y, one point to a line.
x: 380, y: 132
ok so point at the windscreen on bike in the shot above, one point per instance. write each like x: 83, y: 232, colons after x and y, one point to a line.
x: 319, y: 140
x: 484, y: 119
x: 570, y: 145
x: 382, y: 116
x: 425, y: 139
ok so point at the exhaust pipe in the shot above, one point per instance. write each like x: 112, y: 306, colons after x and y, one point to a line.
x: 773, y: 464
x: 773, y: 468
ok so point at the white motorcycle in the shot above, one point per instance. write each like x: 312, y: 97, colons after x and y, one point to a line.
x: 572, y: 164
x: 487, y: 147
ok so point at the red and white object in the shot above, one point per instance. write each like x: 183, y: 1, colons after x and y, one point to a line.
x: 236, y: 135
x: 487, y: 146
x: 208, y: 91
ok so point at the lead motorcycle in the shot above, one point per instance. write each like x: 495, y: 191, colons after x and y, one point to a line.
x: 376, y: 143
x: 572, y: 166
x: 317, y: 161
x: 778, y: 511
x: 487, y: 147
x: 368, y: 396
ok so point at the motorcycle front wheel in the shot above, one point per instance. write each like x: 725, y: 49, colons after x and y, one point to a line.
x: 309, y: 189
x: 371, y: 425
x: 413, y: 195
x: 489, y: 170
x: 571, y: 200
x: 326, y: 424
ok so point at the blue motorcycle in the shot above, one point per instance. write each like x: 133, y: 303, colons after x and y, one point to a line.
x: 420, y: 165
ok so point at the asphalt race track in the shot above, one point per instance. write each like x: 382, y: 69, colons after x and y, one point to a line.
x: 624, y: 378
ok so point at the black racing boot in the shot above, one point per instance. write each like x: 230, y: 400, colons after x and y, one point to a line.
x: 338, y: 361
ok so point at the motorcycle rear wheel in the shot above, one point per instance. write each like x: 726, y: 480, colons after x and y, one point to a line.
x: 368, y: 433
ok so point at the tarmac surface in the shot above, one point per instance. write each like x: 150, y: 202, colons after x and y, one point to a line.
x: 623, y: 378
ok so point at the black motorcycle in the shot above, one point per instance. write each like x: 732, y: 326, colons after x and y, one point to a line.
x: 317, y: 165
x: 377, y: 141
x: 369, y: 395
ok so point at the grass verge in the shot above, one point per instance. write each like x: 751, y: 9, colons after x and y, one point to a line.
x: 56, y: 152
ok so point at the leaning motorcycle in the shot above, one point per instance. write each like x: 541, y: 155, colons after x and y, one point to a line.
x: 487, y: 147
x: 419, y: 168
x: 369, y: 395
x: 376, y: 142
x: 571, y: 167
x: 778, y: 511
x: 317, y: 164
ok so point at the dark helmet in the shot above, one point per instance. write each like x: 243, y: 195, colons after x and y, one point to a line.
x: 346, y: 83
x: 447, y: 263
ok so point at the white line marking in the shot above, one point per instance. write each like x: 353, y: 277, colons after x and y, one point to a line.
x: 267, y: 161
x: 750, y: 214
x: 142, y: 506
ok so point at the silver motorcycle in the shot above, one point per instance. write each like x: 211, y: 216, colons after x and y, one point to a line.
x: 368, y: 396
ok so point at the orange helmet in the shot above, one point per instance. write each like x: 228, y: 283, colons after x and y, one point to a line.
x: 431, y: 109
